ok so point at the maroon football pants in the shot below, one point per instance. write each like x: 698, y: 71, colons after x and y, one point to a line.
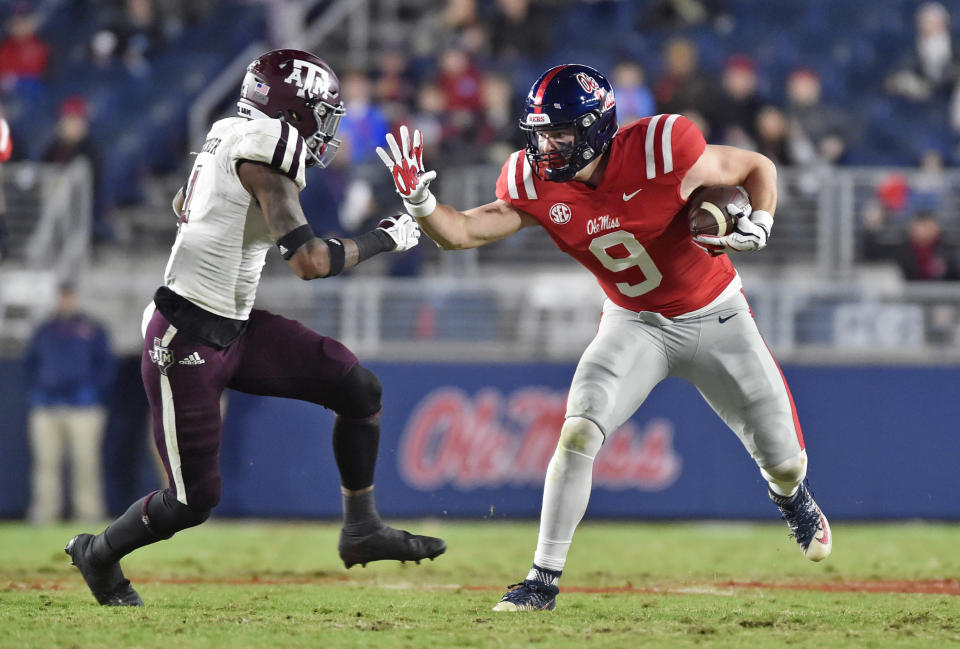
x: 184, y: 379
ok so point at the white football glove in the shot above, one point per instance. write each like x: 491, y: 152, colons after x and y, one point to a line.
x: 403, y: 230
x: 751, y: 232
x: 406, y: 165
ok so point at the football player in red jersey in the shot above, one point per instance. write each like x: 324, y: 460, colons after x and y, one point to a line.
x: 612, y: 198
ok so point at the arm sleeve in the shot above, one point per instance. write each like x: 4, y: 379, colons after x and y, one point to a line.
x: 273, y: 143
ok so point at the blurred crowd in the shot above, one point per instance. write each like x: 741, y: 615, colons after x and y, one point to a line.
x: 458, y: 70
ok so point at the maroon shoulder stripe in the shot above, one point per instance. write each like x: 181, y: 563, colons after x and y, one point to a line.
x: 295, y: 163
x: 281, y: 148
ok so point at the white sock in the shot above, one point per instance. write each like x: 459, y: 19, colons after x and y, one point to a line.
x: 565, y: 496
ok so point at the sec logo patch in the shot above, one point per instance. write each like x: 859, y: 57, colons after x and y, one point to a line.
x: 560, y: 213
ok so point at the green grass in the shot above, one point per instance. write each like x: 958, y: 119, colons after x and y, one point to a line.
x: 256, y: 584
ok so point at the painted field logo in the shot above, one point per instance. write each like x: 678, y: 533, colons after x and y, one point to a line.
x: 496, y: 440
x: 560, y: 213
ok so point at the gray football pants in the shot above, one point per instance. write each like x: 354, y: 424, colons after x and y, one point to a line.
x: 721, y: 352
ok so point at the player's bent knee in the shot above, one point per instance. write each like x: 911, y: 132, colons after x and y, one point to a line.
x: 789, y: 472
x: 358, y: 394
x: 581, y: 436
x: 164, y: 515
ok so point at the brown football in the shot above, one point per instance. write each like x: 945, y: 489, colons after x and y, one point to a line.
x: 707, y: 209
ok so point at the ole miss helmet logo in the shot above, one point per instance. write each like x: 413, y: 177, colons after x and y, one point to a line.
x: 587, y: 82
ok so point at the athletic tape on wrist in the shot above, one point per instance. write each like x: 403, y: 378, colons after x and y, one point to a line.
x: 423, y: 208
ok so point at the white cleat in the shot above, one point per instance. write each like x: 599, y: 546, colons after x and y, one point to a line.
x: 808, y: 525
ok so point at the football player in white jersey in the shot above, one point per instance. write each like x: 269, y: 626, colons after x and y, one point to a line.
x: 202, y: 333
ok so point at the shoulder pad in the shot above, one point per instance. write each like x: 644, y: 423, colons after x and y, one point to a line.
x: 274, y: 143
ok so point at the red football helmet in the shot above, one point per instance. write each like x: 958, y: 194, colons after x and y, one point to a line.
x: 301, y: 89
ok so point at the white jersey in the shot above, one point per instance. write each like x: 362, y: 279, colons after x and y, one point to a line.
x: 223, y: 238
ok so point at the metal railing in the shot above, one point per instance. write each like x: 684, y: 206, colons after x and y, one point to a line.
x: 816, y: 295
x: 49, y: 214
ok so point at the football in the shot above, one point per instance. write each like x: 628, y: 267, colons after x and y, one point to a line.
x: 707, y: 209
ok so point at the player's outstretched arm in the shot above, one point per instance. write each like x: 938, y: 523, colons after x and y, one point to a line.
x: 309, y: 256
x: 447, y: 226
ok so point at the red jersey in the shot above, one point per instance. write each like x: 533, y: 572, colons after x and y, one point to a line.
x: 630, y: 231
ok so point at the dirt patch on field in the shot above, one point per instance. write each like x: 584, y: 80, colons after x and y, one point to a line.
x: 922, y: 586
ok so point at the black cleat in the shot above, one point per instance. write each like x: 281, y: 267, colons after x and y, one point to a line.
x: 388, y: 544
x: 107, y: 583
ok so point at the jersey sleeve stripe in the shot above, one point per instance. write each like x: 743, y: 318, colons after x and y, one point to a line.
x: 512, y: 175
x: 295, y: 163
x: 4, y: 135
x: 280, y: 149
x: 291, y: 137
x: 668, y: 144
x: 649, y: 147
x: 528, y: 179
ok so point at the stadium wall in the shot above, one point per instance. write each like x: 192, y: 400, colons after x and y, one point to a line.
x: 473, y: 440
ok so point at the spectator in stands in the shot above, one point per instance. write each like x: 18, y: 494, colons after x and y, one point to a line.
x: 6, y: 149
x: 134, y: 39
x: 634, y: 98
x: 72, y: 141
x: 459, y: 15
x: 680, y: 14
x: 735, y: 113
x: 23, y: 55
x: 365, y: 125
x: 497, y: 134
x: 68, y: 370
x: 519, y: 31
x: 684, y: 87
x: 433, y: 118
x: 394, y: 88
x: 926, y: 254
x: 461, y: 83
x: 931, y: 70
x: 772, y: 127
x: 929, y: 188
x: 819, y: 132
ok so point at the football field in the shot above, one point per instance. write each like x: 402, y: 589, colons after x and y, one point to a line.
x: 275, y: 584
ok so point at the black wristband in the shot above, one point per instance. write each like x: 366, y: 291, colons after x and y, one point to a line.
x: 337, y: 256
x: 373, y: 243
x: 291, y: 241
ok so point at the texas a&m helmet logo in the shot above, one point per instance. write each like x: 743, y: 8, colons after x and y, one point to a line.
x: 312, y: 80
x: 560, y: 213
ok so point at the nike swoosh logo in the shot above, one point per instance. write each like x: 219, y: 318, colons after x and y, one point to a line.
x: 722, y: 319
x: 824, y: 535
x: 627, y: 196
